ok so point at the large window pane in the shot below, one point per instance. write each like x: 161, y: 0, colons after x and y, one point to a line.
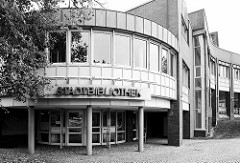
x: 173, y: 65
x: 197, y: 56
x: 154, y: 64
x: 102, y: 48
x: 57, y: 47
x: 122, y: 50
x: 198, y: 105
x: 80, y: 47
x: 140, y: 55
x: 75, y: 119
x: 164, y: 61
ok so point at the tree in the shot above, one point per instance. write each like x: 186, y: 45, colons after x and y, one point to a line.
x: 23, y: 27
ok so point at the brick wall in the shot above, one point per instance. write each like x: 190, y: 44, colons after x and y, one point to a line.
x: 155, y: 10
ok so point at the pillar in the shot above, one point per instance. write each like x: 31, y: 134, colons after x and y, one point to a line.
x: 214, y: 108
x: 228, y: 102
x: 231, y: 115
x: 186, y: 125
x: 140, y: 129
x: 89, y: 130
x: 31, y: 130
x: 175, y: 114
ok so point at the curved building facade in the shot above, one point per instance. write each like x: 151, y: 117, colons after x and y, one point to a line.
x: 152, y: 71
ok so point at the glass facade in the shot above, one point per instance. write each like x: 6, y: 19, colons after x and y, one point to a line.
x: 185, y: 76
x: 224, y: 71
x: 199, y: 81
x: 112, y: 48
x: 67, y: 127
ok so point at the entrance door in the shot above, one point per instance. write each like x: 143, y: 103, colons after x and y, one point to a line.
x: 74, y: 128
x: 56, y: 126
x: 109, y: 127
x: 96, y: 128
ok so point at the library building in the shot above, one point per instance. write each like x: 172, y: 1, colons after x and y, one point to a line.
x: 154, y: 71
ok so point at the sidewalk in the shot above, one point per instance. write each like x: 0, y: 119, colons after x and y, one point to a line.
x: 227, y: 150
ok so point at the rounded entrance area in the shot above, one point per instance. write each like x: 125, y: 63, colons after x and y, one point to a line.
x: 68, y: 127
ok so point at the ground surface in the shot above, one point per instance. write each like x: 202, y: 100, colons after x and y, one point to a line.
x: 210, y: 150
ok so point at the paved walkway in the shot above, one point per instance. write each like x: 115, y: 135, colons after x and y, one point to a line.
x: 207, y: 151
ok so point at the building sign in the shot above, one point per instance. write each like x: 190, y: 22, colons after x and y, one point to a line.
x: 98, y: 91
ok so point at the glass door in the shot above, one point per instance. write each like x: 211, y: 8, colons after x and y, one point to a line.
x: 43, y: 127
x: 56, y: 125
x: 121, y: 127
x: 74, y: 128
x: 109, y: 127
x: 96, y: 128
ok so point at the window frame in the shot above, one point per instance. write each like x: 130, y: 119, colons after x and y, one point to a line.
x: 110, y: 50
x: 88, y: 48
x: 146, y: 54
x: 158, y: 55
x: 130, y: 49
x: 167, y: 50
x: 66, y: 49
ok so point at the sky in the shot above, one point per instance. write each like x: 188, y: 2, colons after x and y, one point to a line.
x: 222, y: 16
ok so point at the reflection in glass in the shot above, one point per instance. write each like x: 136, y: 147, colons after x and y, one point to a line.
x: 55, y: 138
x: 96, y: 138
x: 197, y: 56
x: 55, y: 119
x: 164, y: 61
x: 121, y: 136
x: 140, y: 53
x: 198, y: 83
x: 79, y: 47
x: 75, y: 119
x: 122, y: 50
x: 57, y: 47
x: 120, y: 121
x: 198, y: 105
x: 102, y: 48
x: 173, y: 65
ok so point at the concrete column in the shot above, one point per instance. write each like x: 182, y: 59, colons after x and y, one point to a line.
x: 140, y: 129
x: 186, y: 125
x: 217, y: 91
x: 231, y: 115
x: 31, y: 130
x: 89, y: 130
x: 214, y: 109
x: 228, y: 102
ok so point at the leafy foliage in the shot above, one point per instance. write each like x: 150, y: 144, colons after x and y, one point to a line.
x: 23, y: 42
